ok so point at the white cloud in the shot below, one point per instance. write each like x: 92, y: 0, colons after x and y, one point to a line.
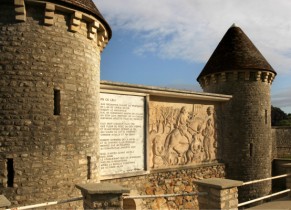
x: 282, y: 97
x: 191, y: 29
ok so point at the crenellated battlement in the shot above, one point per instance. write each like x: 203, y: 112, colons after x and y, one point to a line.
x: 247, y: 75
x: 96, y: 31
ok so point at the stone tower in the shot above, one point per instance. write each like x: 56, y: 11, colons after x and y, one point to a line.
x: 236, y: 67
x: 49, y: 97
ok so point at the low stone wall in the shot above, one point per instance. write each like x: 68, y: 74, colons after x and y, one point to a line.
x: 281, y: 142
x: 169, y: 181
x: 279, y: 169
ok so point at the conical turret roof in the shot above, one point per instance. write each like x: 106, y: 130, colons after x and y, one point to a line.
x: 86, y: 6
x: 235, y: 52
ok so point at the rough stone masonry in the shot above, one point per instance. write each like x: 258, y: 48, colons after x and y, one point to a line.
x: 49, y: 87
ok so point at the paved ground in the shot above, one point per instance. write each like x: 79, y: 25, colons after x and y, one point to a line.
x: 281, y: 204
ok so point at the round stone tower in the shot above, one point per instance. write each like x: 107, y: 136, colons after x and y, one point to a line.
x: 236, y: 67
x: 49, y: 97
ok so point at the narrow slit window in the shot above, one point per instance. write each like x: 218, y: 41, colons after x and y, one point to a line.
x: 266, y: 116
x: 57, y: 102
x: 10, y: 172
x: 88, y: 167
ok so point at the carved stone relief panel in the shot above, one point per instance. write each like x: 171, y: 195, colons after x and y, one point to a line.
x: 181, y: 134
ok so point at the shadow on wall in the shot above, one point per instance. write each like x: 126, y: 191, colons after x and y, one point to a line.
x: 129, y: 204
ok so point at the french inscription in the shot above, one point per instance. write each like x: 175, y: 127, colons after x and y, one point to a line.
x: 121, y: 134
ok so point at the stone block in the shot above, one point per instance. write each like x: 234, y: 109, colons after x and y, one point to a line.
x: 19, y: 10
x: 19, y: 2
x: 50, y: 7
x: 74, y: 28
x: 233, y: 190
x: 93, y: 30
x: 100, y: 195
x: 49, y: 14
x: 48, y: 22
x: 189, y: 205
x: 95, y: 24
x: 75, y: 22
x: 77, y: 15
x: 91, y: 36
x: 233, y: 203
x: 219, y: 193
x: 218, y: 183
x: 21, y: 18
x: 4, y: 202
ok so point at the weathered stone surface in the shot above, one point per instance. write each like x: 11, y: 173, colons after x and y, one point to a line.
x: 245, y: 132
x: 4, y: 202
x: 102, y: 188
x: 245, y: 121
x: 151, y: 184
x: 281, y: 142
x: 181, y: 133
x: 46, y: 148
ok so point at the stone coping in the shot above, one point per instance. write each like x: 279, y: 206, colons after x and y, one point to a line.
x: 102, y: 188
x: 286, y: 165
x: 282, y: 159
x: 281, y: 127
x: 160, y: 91
x: 219, y: 183
x: 4, y: 202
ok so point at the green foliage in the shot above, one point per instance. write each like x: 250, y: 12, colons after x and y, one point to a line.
x: 279, y: 117
x: 284, y: 122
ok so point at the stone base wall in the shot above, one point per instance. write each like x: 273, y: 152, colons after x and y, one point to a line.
x: 279, y: 169
x: 281, y: 137
x: 170, y: 181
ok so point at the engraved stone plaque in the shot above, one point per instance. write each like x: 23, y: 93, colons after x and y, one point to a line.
x: 122, y: 134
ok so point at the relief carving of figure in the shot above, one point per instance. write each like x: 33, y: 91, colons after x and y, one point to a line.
x: 185, y: 137
x: 208, y: 139
x: 179, y: 140
x: 158, y: 151
x: 182, y: 123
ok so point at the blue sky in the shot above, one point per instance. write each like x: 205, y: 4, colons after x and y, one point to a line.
x: 167, y: 42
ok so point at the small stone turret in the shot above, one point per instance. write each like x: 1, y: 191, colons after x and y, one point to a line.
x: 236, y: 67
x: 49, y: 97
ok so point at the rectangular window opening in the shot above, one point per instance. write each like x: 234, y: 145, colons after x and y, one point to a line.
x: 266, y: 116
x: 10, y: 172
x: 88, y: 167
x: 57, y: 102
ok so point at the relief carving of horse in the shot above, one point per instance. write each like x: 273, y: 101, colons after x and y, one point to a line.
x: 178, y: 147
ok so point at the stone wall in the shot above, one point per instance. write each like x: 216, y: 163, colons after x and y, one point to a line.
x: 281, y: 142
x: 49, y: 87
x: 281, y: 152
x: 175, y: 156
x: 279, y: 169
x: 169, y: 181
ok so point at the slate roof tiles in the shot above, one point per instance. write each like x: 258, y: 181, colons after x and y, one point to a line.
x: 235, y: 52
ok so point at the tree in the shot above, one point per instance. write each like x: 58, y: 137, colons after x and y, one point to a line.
x: 279, y: 117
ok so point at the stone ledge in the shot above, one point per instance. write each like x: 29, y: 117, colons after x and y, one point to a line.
x: 219, y: 183
x: 102, y: 188
x: 4, y: 202
x: 286, y: 165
